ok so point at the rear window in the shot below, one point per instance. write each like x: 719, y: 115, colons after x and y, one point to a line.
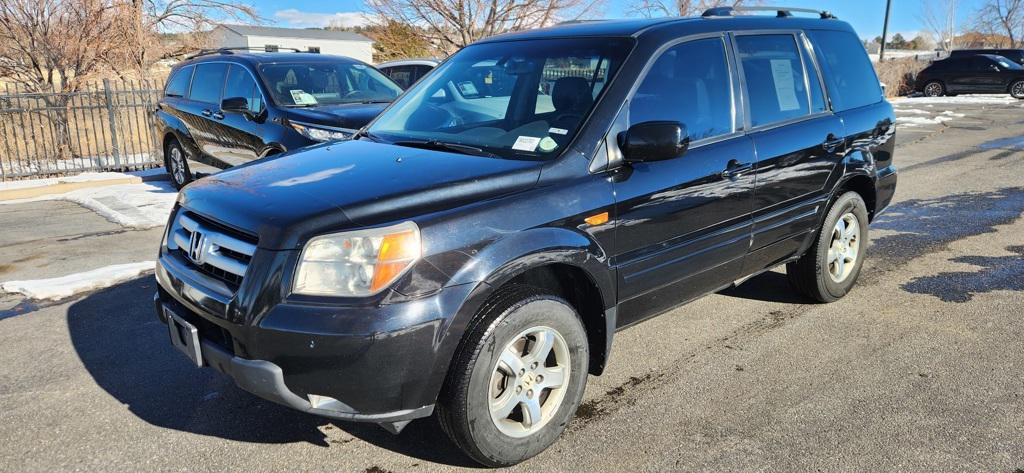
x: 209, y: 81
x: 177, y: 85
x: 849, y: 75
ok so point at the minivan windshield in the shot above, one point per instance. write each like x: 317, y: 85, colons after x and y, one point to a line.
x: 327, y: 83
x: 515, y: 99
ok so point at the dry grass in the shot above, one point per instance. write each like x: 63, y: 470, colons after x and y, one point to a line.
x: 899, y: 75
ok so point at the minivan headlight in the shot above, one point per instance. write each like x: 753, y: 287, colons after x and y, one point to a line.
x: 318, y: 133
x: 357, y: 263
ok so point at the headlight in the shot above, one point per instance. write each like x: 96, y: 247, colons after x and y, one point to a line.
x: 357, y: 263
x: 319, y: 133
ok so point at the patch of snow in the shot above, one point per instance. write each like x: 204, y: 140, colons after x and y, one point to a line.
x: 71, y: 165
x: 913, y: 111
x: 137, y: 206
x: 960, y: 99
x: 67, y: 286
x: 949, y: 113
x: 922, y: 120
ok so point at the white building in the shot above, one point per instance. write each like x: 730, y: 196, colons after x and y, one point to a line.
x: 341, y: 43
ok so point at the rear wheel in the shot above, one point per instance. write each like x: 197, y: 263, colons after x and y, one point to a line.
x: 934, y: 89
x: 518, y: 378
x: 831, y: 267
x: 1017, y: 89
x: 176, y: 162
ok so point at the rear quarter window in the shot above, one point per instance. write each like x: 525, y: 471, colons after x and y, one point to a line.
x: 177, y: 84
x: 849, y: 75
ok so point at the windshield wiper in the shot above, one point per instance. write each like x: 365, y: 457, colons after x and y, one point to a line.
x: 375, y: 101
x: 363, y: 133
x: 444, y: 146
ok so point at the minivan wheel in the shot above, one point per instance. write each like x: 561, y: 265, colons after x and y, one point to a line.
x: 830, y: 267
x: 517, y: 379
x: 1017, y: 89
x: 176, y: 162
x: 934, y: 89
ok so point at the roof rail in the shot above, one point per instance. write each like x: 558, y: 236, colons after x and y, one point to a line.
x: 267, y: 49
x: 780, y: 12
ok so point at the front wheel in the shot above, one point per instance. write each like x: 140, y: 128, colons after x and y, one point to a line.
x: 934, y: 89
x: 518, y: 378
x: 1017, y: 89
x: 830, y: 268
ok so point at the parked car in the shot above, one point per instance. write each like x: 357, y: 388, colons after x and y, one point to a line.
x: 226, y: 107
x: 406, y: 72
x: 1015, y: 55
x: 979, y: 74
x: 452, y: 262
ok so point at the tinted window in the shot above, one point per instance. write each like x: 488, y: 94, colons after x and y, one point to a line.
x: 209, y: 79
x: 420, y: 71
x: 241, y: 84
x: 813, y: 78
x: 402, y: 75
x: 774, y: 76
x: 689, y: 83
x: 849, y: 75
x: 177, y: 85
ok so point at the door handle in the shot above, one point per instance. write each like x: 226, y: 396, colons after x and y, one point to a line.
x: 218, y: 115
x: 735, y: 169
x: 206, y: 113
x: 832, y: 143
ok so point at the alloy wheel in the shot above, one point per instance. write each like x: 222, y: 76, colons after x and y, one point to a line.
x: 177, y: 165
x: 1017, y: 90
x: 528, y: 383
x: 844, y: 247
x: 933, y: 89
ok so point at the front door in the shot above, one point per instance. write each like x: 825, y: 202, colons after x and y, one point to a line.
x: 239, y: 138
x: 799, y: 143
x: 684, y: 224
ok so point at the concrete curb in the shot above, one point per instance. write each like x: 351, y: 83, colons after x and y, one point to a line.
x: 62, y: 187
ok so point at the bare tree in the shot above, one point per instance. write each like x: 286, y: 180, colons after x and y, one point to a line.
x: 658, y: 8
x: 450, y: 25
x: 1002, y: 17
x: 56, y: 46
x: 939, y: 17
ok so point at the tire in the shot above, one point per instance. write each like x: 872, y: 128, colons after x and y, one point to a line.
x: 934, y: 89
x: 176, y: 163
x: 818, y: 273
x: 478, y: 378
x: 1017, y: 89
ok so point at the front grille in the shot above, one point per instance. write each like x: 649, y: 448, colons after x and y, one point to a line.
x: 213, y: 249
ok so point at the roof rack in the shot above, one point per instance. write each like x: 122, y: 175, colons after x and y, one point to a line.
x: 780, y: 12
x: 267, y: 49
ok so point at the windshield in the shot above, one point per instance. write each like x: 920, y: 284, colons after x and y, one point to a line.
x: 312, y: 84
x: 516, y: 99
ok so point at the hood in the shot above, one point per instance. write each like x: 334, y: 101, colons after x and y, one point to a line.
x: 331, y: 187
x: 350, y: 115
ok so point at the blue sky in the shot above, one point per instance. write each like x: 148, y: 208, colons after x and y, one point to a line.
x: 865, y: 15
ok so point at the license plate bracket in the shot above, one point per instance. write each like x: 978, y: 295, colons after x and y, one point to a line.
x: 184, y: 337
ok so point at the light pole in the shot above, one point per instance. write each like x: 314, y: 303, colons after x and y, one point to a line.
x: 885, y: 31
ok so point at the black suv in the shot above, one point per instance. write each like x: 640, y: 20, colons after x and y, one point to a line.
x: 472, y: 252
x: 1015, y: 55
x: 228, y: 107
x: 977, y: 74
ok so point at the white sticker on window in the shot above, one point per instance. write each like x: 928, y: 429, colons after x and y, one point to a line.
x: 785, y: 86
x: 526, y: 143
x: 468, y: 88
x: 558, y: 131
x: 301, y: 97
x: 547, y: 144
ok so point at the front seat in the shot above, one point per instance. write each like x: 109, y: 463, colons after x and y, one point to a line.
x: 572, y: 99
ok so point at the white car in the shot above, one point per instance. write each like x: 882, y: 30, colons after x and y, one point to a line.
x: 406, y: 72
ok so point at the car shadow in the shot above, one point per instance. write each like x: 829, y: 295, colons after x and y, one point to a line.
x: 125, y: 349
x: 770, y: 286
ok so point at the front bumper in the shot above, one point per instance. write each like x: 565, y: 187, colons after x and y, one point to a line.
x: 381, y: 363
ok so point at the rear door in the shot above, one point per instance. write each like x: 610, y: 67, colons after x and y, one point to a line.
x: 203, y: 102
x: 799, y: 142
x: 684, y: 224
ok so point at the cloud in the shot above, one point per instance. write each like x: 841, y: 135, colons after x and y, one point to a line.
x: 304, y: 19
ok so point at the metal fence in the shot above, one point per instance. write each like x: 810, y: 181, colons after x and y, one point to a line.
x: 106, y: 126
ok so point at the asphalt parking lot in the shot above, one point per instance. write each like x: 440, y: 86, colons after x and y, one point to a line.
x: 920, y: 368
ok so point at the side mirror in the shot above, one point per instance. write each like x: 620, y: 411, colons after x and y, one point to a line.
x: 235, y: 105
x: 654, y: 141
